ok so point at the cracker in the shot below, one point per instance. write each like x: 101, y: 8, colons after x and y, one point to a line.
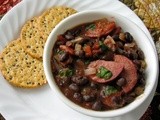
x: 50, y: 18
x: 32, y: 40
x: 19, y: 68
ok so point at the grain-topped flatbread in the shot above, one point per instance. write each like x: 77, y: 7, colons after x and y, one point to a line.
x: 36, y: 31
x: 50, y: 18
x: 32, y: 40
x: 19, y: 68
x: 21, y: 60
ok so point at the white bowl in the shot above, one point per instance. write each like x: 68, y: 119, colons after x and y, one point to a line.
x: 152, y: 70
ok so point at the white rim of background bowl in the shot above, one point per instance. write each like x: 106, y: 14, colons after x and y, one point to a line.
x: 111, y: 113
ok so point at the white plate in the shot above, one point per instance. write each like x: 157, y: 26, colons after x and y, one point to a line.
x: 41, y: 103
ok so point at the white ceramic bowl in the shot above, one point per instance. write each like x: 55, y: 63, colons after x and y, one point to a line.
x: 142, y: 41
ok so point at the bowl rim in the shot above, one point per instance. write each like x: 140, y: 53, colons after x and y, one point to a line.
x: 110, y: 113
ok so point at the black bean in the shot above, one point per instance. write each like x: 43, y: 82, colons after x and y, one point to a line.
x: 63, y: 82
x: 77, y: 32
x: 121, y: 82
x: 88, y: 98
x: 133, y: 55
x: 120, y: 51
x: 128, y: 37
x: 142, y: 81
x: 68, y: 92
x: 74, y: 87
x: 93, y: 85
x: 60, y: 42
x: 119, y: 44
x: 115, y: 100
x: 115, y: 37
x: 118, y: 101
x: 77, y: 97
x: 128, y: 99
x: 79, y: 80
x: 109, y: 55
x: 97, y: 105
x: 70, y: 32
x: 79, y: 53
x: 137, y: 63
x: 141, y: 70
x: 140, y: 54
x: 86, y: 91
x: 64, y: 56
x: 69, y: 36
x: 125, y: 53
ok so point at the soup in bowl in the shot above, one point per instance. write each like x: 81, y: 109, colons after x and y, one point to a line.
x: 97, y: 63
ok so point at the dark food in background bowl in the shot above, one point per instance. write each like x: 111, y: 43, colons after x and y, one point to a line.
x: 98, y: 66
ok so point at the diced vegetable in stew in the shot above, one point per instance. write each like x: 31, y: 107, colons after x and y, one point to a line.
x: 99, y: 66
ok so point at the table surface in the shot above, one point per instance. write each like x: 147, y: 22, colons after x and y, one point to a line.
x: 153, y: 111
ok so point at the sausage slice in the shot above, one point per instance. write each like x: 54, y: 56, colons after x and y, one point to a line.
x: 99, y: 28
x: 129, y: 73
x: 115, y: 67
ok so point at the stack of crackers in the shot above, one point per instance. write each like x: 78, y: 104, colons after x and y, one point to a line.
x: 21, y: 60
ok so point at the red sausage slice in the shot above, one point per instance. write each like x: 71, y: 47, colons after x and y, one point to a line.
x: 129, y: 73
x: 114, y: 67
x: 2, y: 1
x: 15, y: 2
x: 101, y: 27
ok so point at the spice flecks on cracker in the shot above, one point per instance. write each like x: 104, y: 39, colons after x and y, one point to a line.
x: 36, y: 31
x: 32, y: 40
x: 21, y: 60
x: 19, y: 68
x: 50, y: 18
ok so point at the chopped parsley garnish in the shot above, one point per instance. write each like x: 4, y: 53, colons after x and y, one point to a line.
x: 109, y: 90
x: 104, y: 73
x: 103, y: 46
x: 91, y: 27
x: 66, y: 72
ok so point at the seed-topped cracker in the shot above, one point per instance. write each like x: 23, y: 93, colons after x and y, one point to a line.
x: 19, y: 68
x: 50, y: 18
x: 31, y: 38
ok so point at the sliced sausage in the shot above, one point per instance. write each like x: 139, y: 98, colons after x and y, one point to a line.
x: 2, y: 1
x: 3, y: 9
x: 101, y: 27
x: 129, y: 73
x: 114, y: 67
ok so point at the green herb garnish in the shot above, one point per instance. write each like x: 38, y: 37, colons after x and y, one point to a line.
x: 110, y: 90
x: 66, y: 72
x: 103, y: 46
x: 104, y: 73
x: 91, y: 27
x: 87, y: 62
x: 59, y: 51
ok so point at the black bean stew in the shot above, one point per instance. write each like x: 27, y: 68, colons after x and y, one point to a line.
x: 98, y: 66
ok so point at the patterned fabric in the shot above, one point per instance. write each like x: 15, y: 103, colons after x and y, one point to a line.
x: 149, y: 12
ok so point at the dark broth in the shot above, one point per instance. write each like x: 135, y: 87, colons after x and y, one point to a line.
x: 101, y: 40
